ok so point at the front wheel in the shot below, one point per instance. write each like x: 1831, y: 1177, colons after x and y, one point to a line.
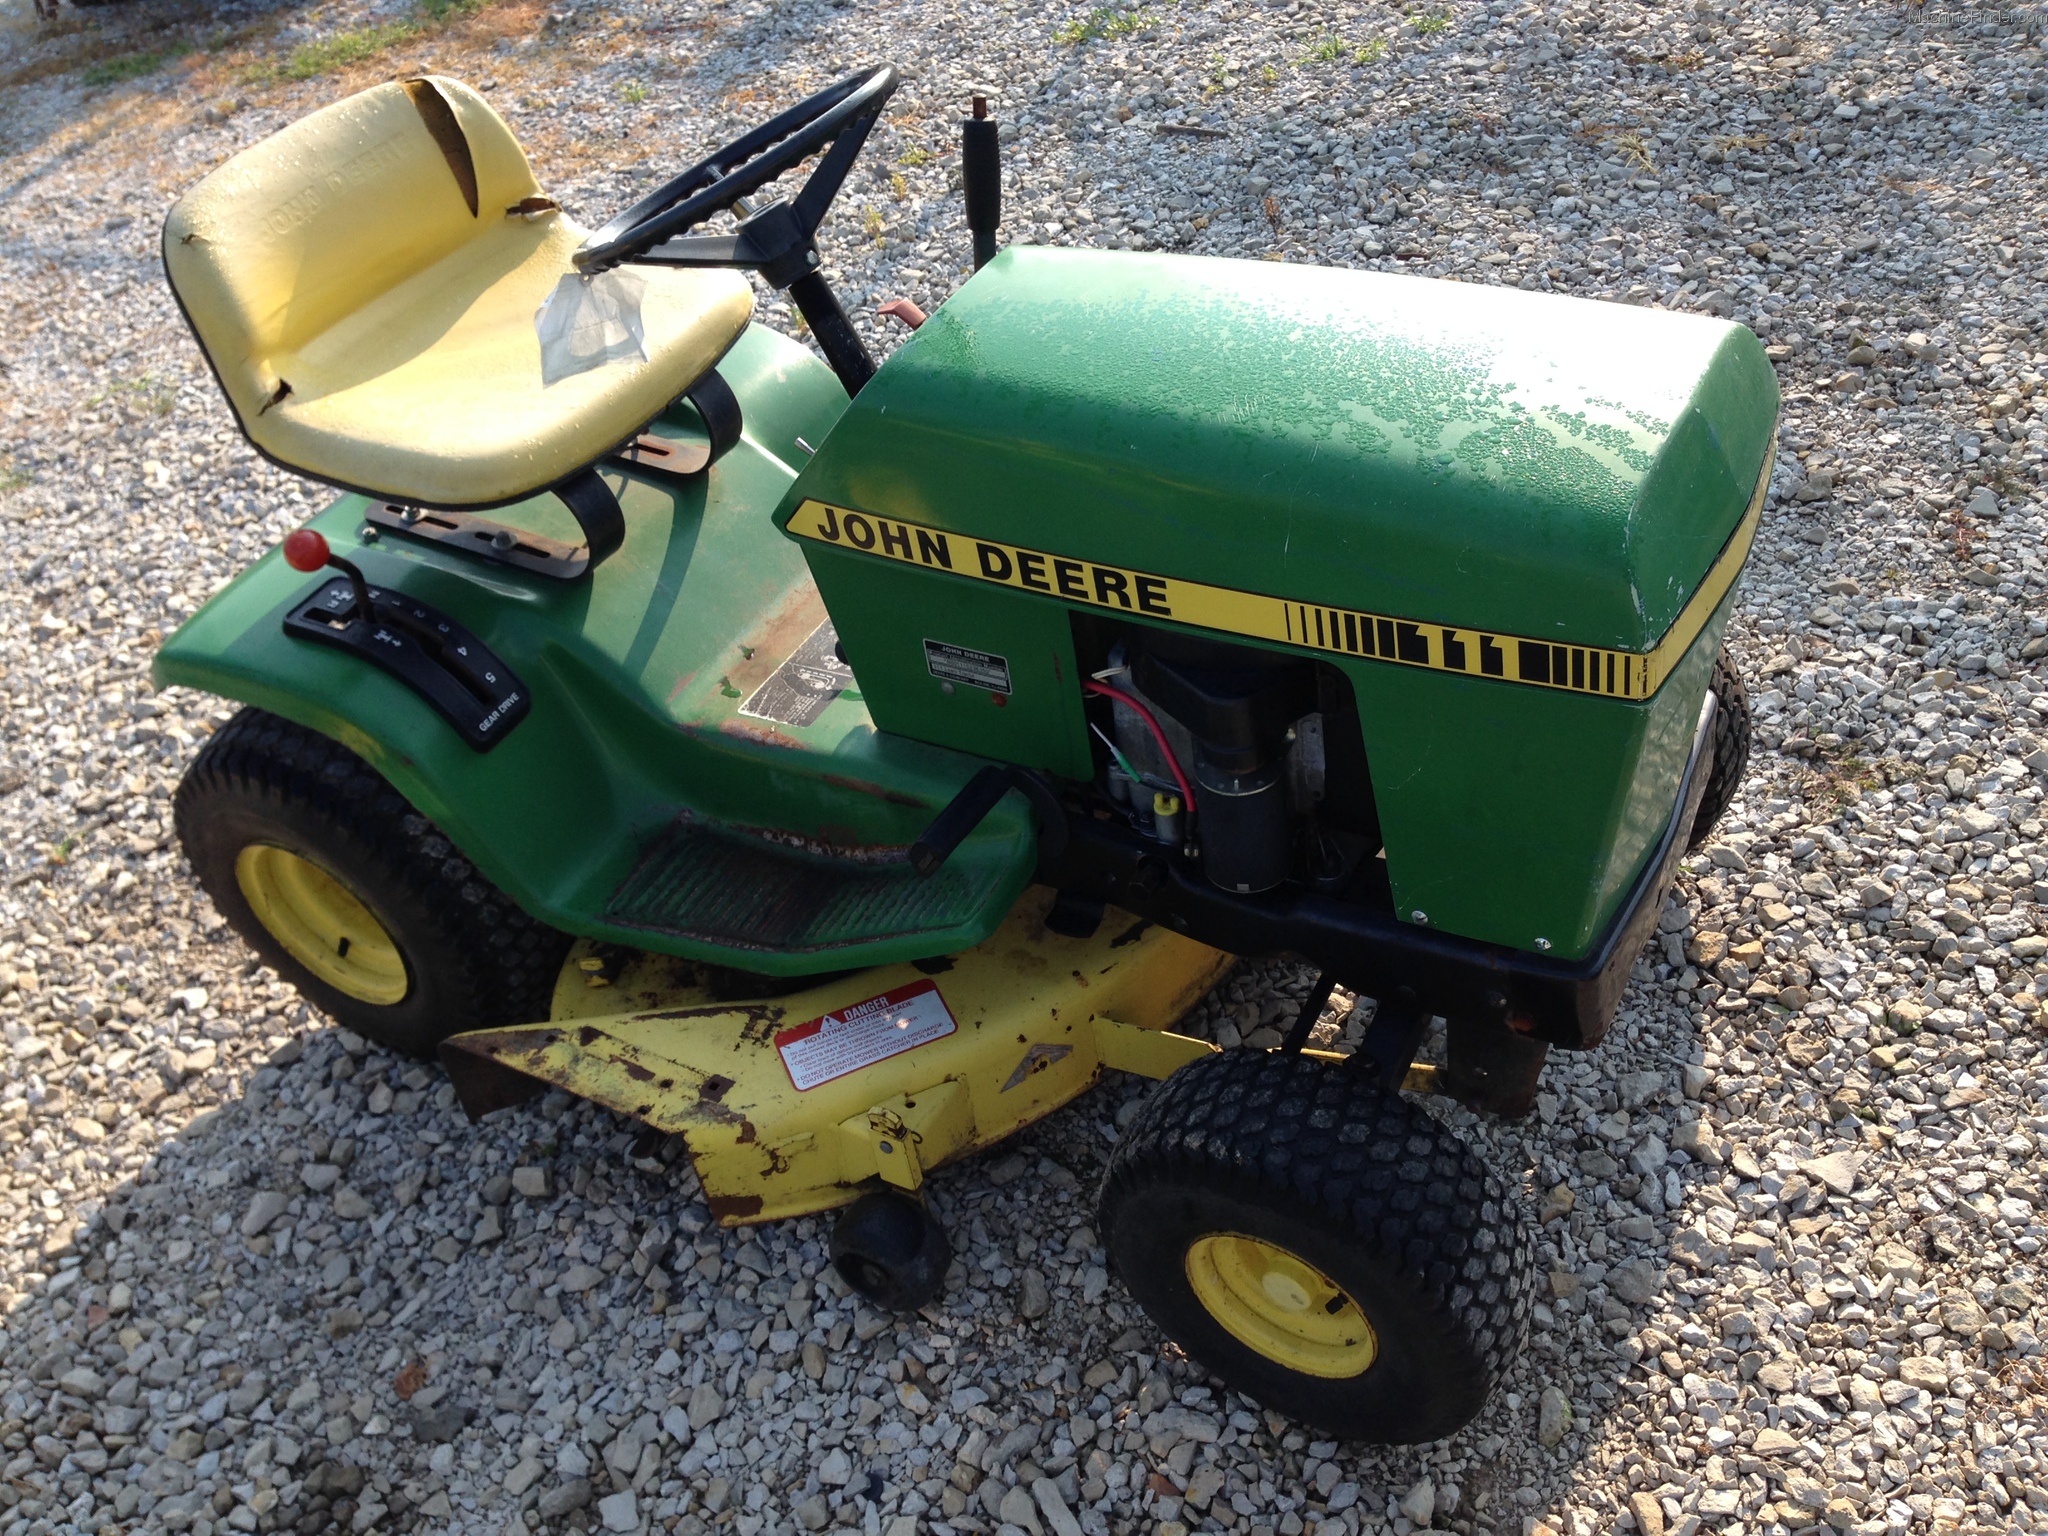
x: 1729, y: 759
x: 352, y: 895
x: 1324, y: 1246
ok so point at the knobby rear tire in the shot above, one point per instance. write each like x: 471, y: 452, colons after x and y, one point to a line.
x: 473, y: 960
x: 1729, y: 758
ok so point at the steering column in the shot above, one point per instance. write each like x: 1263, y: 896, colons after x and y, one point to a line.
x: 778, y: 239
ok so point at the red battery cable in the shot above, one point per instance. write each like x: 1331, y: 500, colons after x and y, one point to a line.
x: 1187, y: 795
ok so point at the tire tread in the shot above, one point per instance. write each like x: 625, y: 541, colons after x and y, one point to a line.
x: 1328, y: 1142
x: 513, y: 960
x: 1729, y: 753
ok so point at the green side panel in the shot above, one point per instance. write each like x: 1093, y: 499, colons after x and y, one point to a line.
x: 1516, y: 814
x: 1479, y: 457
x: 636, y: 759
x: 888, y: 613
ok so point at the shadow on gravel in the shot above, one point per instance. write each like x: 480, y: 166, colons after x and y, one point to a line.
x: 331, y: 1303
x: 1595, y: 1167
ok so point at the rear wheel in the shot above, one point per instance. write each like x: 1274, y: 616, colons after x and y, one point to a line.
x: 1323, y: 1245
x: 1730, y: 758
x: 352, y: 895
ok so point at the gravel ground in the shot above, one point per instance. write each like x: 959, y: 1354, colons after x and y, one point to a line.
x: 259, y: 1276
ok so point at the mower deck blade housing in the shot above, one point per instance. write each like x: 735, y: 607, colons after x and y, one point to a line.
x: 798, y: 1103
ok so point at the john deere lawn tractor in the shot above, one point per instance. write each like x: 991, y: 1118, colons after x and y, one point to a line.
x: 841, y: 766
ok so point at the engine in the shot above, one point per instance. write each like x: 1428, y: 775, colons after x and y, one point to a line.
x: 1226, y: 753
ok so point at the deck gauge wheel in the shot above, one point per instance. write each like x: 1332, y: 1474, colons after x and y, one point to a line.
x: 352, y: 895
x: 1324, y: 1245
x: 891, y: 1250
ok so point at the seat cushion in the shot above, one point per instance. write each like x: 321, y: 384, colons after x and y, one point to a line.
x: 432, y: 393
x: 372, y: 330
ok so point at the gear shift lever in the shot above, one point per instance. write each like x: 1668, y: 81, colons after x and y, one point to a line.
x: 430, y: 652
x: 306, y: 550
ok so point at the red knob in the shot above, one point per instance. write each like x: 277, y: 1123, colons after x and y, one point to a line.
x: 305, y: 550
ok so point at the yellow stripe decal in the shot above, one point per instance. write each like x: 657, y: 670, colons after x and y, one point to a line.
x: 1337, y: 631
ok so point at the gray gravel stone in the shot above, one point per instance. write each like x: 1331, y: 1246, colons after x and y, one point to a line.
x: 573, y: 1494
x: 1018, y: 1508
x: 264, y: 1209
x: 1053, y: 1506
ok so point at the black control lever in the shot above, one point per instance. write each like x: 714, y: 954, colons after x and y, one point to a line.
x: 968, y: 809
x: 306, y: 550
x: 981, y: 178
x: 451, y: 669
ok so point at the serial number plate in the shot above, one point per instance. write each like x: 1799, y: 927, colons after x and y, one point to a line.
x: 959, y: 664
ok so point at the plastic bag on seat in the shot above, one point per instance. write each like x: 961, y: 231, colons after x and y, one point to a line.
x: 588, y: 322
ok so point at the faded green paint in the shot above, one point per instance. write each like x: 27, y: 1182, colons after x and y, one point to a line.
x: 637, y: 675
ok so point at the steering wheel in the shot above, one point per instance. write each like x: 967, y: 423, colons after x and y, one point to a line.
x: 777, y: 240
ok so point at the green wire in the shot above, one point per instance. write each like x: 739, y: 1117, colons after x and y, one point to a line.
x: 1121, y: 761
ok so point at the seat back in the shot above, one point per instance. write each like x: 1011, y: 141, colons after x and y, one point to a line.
x: 296, y: 232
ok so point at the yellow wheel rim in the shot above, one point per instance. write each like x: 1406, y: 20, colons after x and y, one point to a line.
x: 321, y: 924
x: 1286, y: 1309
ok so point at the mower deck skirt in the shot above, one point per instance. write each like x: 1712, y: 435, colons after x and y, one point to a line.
x: 794, y: 1104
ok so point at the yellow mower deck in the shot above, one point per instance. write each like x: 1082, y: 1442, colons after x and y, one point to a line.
x: 798, y: 1103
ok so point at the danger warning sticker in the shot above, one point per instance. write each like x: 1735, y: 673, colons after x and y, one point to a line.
x: 868, y: 1032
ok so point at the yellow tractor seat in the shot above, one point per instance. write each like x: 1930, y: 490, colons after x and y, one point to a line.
x: 365, y: 284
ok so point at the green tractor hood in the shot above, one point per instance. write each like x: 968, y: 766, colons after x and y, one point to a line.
x: 1513, y: 521
x: 1483, y: 457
